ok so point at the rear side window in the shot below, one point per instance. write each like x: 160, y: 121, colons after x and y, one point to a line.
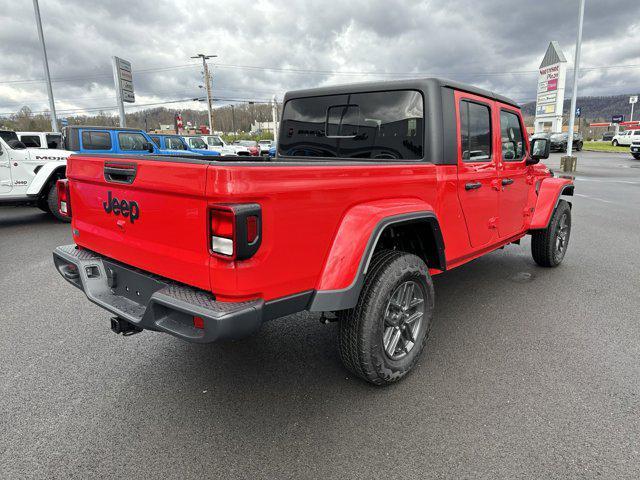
x: 373, y: 125
x: 511, y: 134
x: 30, y: 141
x: 95, y: 140
x: 475, y: 131
x: 214, y: 142
x: 132, y: 141
x: 174, y: 143
x: 156, y: 140
x: 54, y: 141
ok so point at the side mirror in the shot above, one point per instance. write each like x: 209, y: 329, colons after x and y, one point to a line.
x: 539, y: 150
x: 149, y: 147
x: 205, y: 147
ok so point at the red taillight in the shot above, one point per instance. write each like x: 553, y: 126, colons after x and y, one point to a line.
x: 235, y: 230
x: 222, y: 231
x: 64, y: 199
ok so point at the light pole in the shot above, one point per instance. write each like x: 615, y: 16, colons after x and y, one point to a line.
x: 574, y: 95
x: 207, y: 83
x: 52, y: 106
x: 274, y: 118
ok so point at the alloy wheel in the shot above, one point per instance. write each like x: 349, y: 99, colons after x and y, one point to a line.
x: 403, y: 319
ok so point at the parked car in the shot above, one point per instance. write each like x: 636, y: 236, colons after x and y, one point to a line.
x: 196, y: 142
x: 216, y: 143
x: 251, y: 145
x: 635, y: 149
x: 559, y: 141
x: 353, y: 219
x: 626, y: 138
x: 273, y: 150
x: 90, y: 139
x: 264, y: 145
x: 44, y: 140
x: 28, y: 175
x: 177, y: 144
x: 607, y: 136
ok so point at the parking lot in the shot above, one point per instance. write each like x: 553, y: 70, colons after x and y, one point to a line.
x: 528, y: 373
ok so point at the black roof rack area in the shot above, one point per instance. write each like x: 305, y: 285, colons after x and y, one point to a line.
x: 423, y: 84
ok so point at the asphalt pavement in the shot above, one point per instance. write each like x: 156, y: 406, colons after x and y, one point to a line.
x: 528, y: 373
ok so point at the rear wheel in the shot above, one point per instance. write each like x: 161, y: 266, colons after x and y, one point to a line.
x: 636, y: 156
x: 578, y: 146
x: 52, y: 203
x: 549, y: 246
x: 381, y: 339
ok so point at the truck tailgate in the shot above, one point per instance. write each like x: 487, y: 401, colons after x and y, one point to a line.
x: 148, y: 213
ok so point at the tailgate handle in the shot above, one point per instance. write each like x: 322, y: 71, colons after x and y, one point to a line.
x: 120, y: 172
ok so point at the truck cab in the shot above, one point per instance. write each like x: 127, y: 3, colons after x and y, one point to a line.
x: 28, y: 175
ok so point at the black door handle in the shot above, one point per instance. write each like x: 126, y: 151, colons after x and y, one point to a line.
x: 472, y: 186
x: 507, y: 181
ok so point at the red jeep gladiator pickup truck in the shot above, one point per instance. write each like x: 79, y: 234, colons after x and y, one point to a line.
x: 375, y: 188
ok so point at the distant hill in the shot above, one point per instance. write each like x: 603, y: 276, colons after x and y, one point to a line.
x: 593, y: 109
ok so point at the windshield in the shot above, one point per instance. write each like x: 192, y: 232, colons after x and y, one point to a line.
x: 246, y: 143
x: 376, y: 125
x: 197, y: 142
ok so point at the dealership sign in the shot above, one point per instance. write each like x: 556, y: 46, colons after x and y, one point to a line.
x: 124, y: 80
x: 550, y: 93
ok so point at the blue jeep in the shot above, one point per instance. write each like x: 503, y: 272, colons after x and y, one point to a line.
x: 175, y: 143
x: 89, y: 139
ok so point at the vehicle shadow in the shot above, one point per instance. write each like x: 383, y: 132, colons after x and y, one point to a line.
x: 10, y: 217
x: 286, y: 384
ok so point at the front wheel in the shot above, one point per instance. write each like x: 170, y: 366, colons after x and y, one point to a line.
x: 578, y: 146
x: 549, y: 246
x: 614, y: 143
x: 381, y: 339
x: 636, y: 156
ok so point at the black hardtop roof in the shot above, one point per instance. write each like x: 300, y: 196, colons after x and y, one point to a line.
x: 97, y: 127
x: 422, y: 84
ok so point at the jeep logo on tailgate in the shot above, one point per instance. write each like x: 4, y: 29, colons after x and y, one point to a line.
x: 127, y: 209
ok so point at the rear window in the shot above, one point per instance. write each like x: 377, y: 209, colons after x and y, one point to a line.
x: 92, y: 140
x: 30, y: 141
x: 373, y: 125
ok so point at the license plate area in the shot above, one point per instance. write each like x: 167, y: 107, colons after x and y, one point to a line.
x: 130, y: 284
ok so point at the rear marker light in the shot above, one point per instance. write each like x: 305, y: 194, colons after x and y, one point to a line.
x: 198, y: 322
x: 252, y: 229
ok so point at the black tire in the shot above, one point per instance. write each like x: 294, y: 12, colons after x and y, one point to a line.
x: 614, y: 143
x: 547, y: 249
x: 636, y: 156
x: 52, y: 202
x: 43, y: 204
x: 579, y: 147
x: 363, y: 329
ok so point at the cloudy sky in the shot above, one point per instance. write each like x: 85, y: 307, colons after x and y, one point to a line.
x: 266, y: 47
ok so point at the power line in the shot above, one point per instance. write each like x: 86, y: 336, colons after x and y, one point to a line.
x: 315, y: 72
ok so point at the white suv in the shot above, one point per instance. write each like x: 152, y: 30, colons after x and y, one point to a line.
x: 626, y: 138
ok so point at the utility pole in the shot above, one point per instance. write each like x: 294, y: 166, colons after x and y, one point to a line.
x: 52, y: 106
x: 207, y: 83
x: 233, y: 119
x: 574, y: 95
x: 274, y: 118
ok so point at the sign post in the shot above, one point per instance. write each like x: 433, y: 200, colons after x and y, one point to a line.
x: 632, y: 100
x: 123, y: 79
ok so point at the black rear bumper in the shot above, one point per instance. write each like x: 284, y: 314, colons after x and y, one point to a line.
x: 155, y: 303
